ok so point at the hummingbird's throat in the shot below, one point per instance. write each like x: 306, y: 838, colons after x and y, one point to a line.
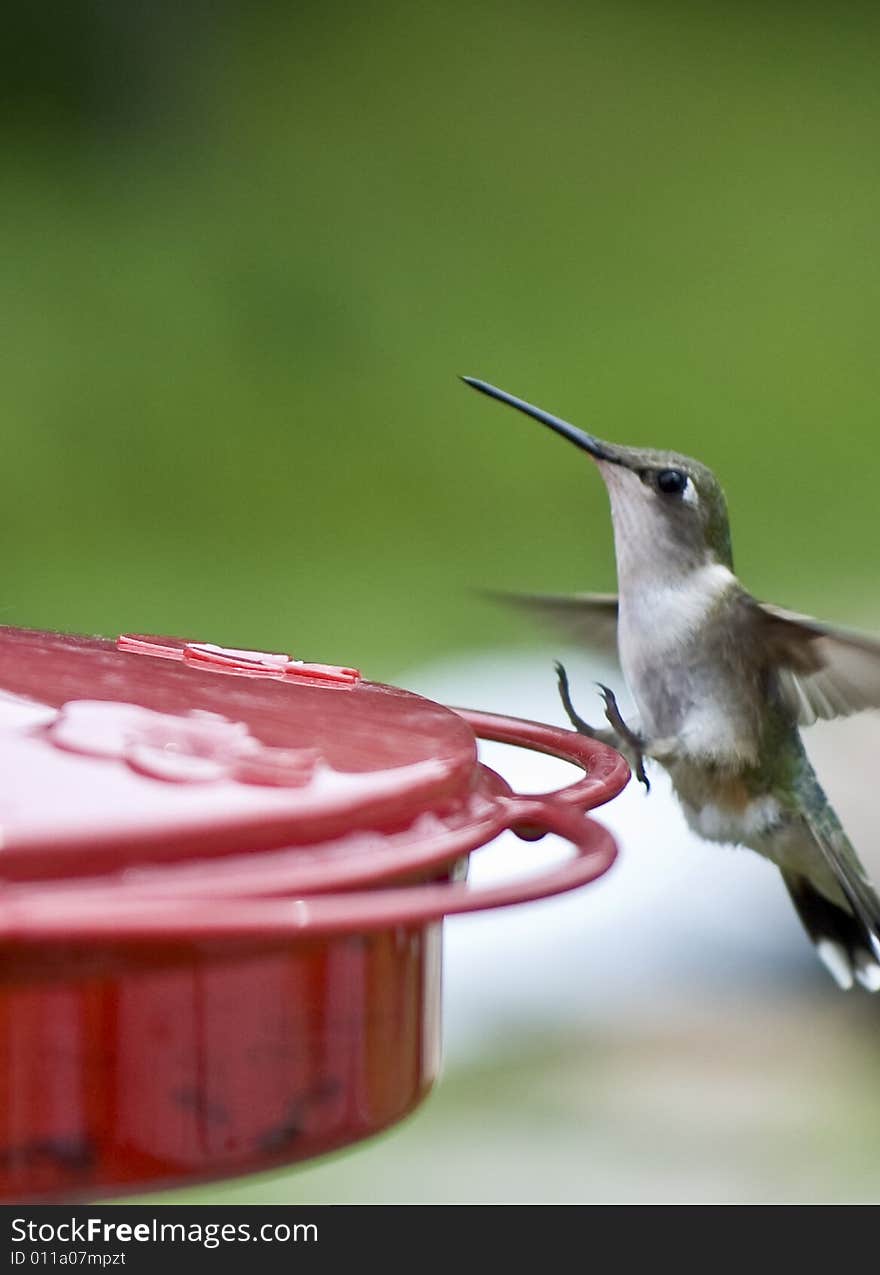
x: 650, y: 545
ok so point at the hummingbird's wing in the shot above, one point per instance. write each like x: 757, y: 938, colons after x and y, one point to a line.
x: 588, y: 619
x: 824, y: 671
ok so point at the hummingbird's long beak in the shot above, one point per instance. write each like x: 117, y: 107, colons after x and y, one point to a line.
x: 596, y: 448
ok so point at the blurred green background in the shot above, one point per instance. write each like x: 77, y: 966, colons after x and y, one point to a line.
x: 247, y: 248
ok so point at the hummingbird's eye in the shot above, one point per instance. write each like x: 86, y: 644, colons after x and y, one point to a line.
x: 671, y: 482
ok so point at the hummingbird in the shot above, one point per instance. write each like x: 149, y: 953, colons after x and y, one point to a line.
x: 722, y: 684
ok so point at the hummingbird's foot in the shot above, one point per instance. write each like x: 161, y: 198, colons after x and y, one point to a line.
x: 619, y: 735
x: 582, y: 727
x: 634, y: 745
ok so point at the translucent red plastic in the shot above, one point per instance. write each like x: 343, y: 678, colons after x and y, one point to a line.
x: 220, y: 921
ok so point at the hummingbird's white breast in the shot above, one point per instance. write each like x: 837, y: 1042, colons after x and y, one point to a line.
x: 684, y: 689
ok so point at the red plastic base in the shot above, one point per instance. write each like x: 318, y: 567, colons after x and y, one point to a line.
x: 149, y: 1069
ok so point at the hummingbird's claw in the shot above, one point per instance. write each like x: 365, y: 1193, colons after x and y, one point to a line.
x: 582, y: 727
x: 634, y: 742
x: 619, y: 736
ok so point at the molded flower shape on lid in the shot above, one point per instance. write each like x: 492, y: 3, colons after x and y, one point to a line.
x: 195, y: 747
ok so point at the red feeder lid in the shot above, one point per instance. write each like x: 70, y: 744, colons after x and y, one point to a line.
x: 129, y: 764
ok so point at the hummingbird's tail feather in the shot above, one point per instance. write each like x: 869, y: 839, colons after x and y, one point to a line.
x: 845, y: 866
x: 844, y: 943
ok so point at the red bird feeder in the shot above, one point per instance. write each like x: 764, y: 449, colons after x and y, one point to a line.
x: 224, y: 875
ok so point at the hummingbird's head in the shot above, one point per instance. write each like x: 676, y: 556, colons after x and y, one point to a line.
x: 667, y: 508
